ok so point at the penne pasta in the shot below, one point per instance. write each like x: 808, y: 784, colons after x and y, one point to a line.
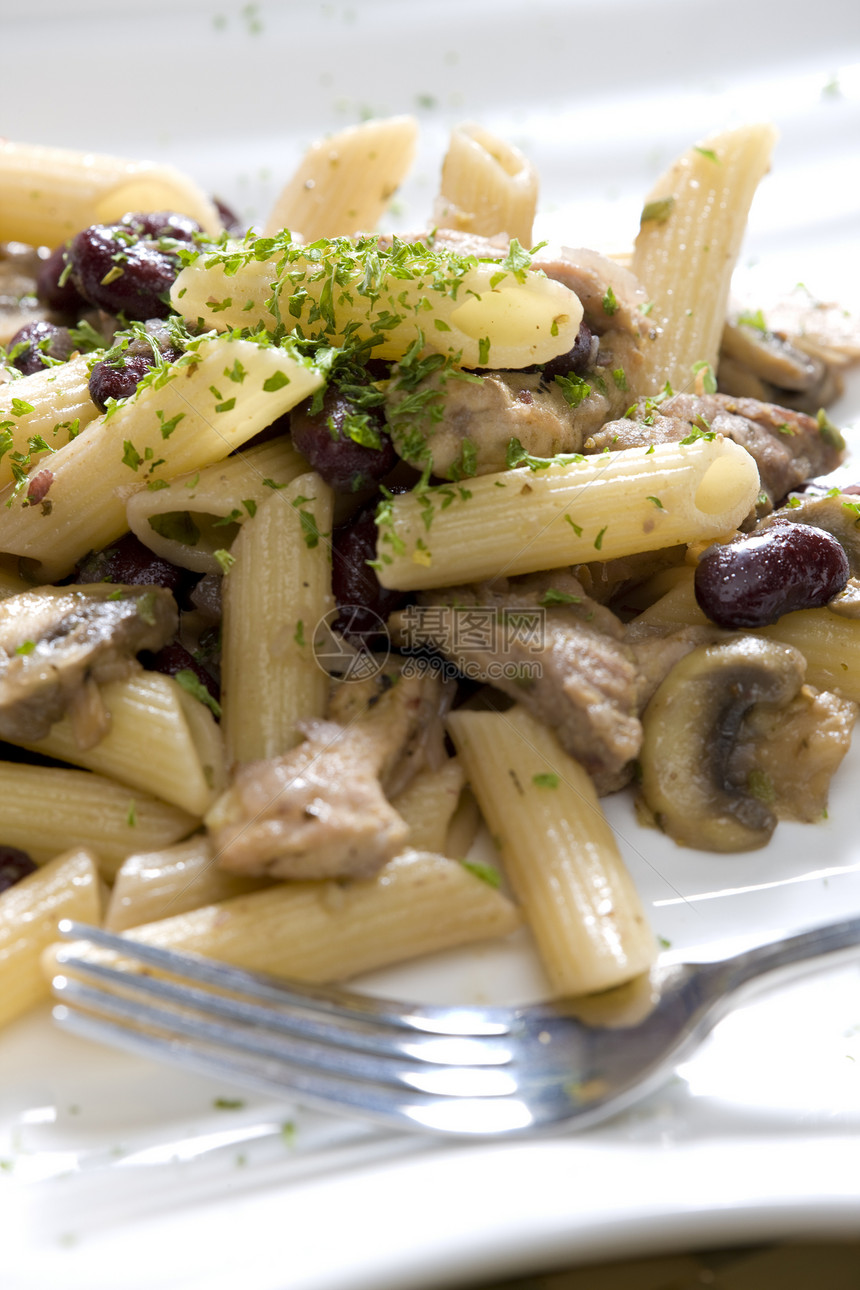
x: 213, y: 400
x: 43, y: 810
x: 198, y: 514
x: 577, y: 896
x: 49, y: 194
x: 692, y: 225
x: 277, y: 590
x: 345, y: 182
x: 41, y: 412
x: 160, y: 740
x: 480, y: 312
x: 152, y: 885
x: 599, y: 507
x: 487, y: 186
x: 67, y: 886
x: 428, y: 804
x: 328, y: 931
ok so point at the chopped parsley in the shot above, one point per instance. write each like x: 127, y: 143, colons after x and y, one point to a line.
x: 192, y: 685
x: 546, y: 780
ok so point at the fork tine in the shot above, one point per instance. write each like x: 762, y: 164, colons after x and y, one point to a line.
x: 450, y: 1020
x: 471, y: 1112
x: 331, y: 1058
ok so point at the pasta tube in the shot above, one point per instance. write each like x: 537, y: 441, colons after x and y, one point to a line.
x: 193, y: 414
x: 49, y: 194
x: 692, y: 226
x: 344, y: 183
x: 483, y: 313
x: 161, y: 884
x: 428, y: 804
x: 53, y: 405
x: 578, y: 898
x: 65, y: 887
x: 160, y: 740
x: 43, y: 810
x: 275, y: 593
x: 487, y: 186
x: 592, y: 508
x: 331, y: 930
x: 198, y: 513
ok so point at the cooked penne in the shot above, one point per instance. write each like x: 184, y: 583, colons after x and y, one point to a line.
x: 692, y: 226
x: 211, y: 401
x: 479, y: 312
x: 152, y: 885
x: 344, y: 183
x: 68, y: 886
x: 487, y: 186
x: 199, y: 513
x: 275, y: 593
x: 160, y: 740
x: 51, y: 406
x: 599, y: 507
x: 49, y: 194
x: 43, y: 810
x: 577, y: 896
x: 328, y: 931
x: 428, y: 804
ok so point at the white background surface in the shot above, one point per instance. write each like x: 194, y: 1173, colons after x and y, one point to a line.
x: 121, y: 1174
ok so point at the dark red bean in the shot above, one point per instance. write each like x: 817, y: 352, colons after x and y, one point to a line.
x: 754, y: 580
x: 117, y: 378
x: 175, y: 658
x: 354, y: 582
x: 54, y: 286
x: 129, y: 562
x: 36, y: 343
x: 156, y: 224
x: 14, y: 865
x: 329, y: 442
x: 117, y: 271
x: 234, y: 226
x: 577, y: 360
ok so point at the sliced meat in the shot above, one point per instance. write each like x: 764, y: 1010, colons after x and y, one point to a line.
x: 58, y: 643
x: 789, y: 447
x: 459, y: 424
x: 544, y: 642
x: 320, y: 810
x: 465, y: 424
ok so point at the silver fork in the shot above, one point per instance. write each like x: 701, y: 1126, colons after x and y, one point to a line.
x: 462, y: 1070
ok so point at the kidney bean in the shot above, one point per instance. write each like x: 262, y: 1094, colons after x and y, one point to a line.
x: 174, y: 658
x: 354, y: 582
x: 54, y: 286
x: 325, y: 439
x: 117, y: 270
x: 577, y: 360
x: 14, y: 865
x: 156, y: 224
x: 131, y: 563
x: 754, y: 580
x: 39, y: 342
x: 117, y: 378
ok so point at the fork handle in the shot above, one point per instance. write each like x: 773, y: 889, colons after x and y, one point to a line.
x: 790, y: 954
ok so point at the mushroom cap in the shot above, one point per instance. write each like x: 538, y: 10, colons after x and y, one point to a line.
x: 689, y: 731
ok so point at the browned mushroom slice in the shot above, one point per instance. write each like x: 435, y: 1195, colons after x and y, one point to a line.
x: 758, y: 363
x: 58, y: 643
x: 690, y: 730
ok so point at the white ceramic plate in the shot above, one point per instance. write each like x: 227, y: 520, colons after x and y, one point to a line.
x: 117, y: 1173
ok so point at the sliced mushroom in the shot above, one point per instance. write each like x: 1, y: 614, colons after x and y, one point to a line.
x: 58, y: 643
x: 320, y: 810
x: 690, y: 729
